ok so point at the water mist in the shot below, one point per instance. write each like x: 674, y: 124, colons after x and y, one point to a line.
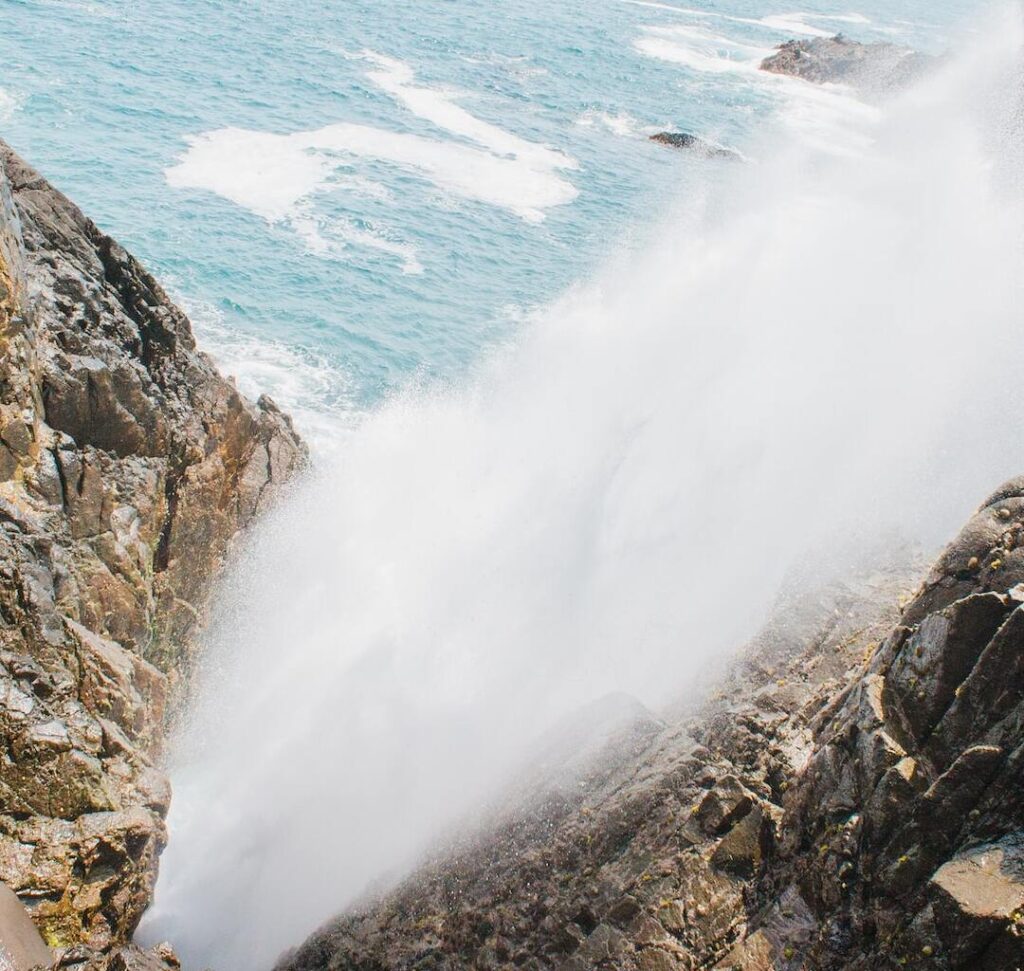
x: 826, y: 348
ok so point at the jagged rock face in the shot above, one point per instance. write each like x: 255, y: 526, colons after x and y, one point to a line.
x: 911, y: 805
x: 851, y: 802
x: 840, y: 60
x: 127, y: 464
x: 654, y: 862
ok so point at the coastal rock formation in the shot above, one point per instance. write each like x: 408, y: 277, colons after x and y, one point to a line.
x: 127, y: 464
x: 651, y: 863
x: 841, y: 60
x: 849, y: 800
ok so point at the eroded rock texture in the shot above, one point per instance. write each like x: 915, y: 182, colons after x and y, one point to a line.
x: 851, y: 799
x: 841, y: 60
x: 127, y: 464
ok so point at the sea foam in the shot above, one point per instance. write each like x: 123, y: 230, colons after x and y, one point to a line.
x: 276, y: 176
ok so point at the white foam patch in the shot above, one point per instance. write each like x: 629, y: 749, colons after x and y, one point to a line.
x: 436, y: 106
x: 787, y: 23
x: 309, y: 386
x: 9, y: 103
x: 652, y: 5
x: 270, y: 174
x: 700, y: 50
x: 618, y: 123
x: 333, y: 238
x: 276, y: 175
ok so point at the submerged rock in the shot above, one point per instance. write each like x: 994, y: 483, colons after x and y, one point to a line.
x: 841, y: 60
x: 691, y: 143
x: 127, y: 465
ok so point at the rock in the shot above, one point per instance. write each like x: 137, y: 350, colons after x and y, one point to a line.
x: 21, y: 947
x: 723, y: 805
x: 127, y: 467
x: 652, y: 863
x: 979, y: 896
x: 840, y: 60
x: 849, y: 799
x: 691, y: 143
x: 742, y: 850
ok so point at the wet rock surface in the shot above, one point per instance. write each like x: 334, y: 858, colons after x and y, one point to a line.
x: 127, y: 465
x: 849, y: 799
x: 843, y: 61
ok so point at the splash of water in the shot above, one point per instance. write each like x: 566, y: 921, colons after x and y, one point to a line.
x: 827, y: 347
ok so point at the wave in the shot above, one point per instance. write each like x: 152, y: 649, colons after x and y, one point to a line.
x: 787, y: 24
x: 278, y: 176
x: 821, y: 351
x: 310, y: 385
x: 438, y: 107
x: 700, y: 50
x: 618, y: 123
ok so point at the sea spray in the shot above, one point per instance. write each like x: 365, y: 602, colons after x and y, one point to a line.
x: 826, y: 349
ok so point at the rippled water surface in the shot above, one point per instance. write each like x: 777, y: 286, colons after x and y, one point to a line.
x: 348, y: 195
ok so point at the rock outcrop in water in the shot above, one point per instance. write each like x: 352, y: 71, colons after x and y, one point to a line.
x: 841, y: 60
x: 851, y: 799
x: 127, y: 464
x: 693, y: 144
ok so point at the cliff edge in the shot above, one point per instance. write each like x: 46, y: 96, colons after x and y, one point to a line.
x: 127, y: 465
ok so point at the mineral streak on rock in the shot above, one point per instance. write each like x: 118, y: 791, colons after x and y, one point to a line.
x: 127, y: 464
x: 850, y: 800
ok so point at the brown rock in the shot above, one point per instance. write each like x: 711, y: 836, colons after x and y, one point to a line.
x: 21, y: 947
x: 127, y: 466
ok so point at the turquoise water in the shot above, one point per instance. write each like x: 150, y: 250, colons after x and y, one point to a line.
x: 421, y: 237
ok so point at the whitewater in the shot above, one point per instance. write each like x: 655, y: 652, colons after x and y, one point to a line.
x: 347, y: 198
x: 576, y: 466
x: 817, y: 355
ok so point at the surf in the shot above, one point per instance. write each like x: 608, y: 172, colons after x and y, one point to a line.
x: 817, y: 355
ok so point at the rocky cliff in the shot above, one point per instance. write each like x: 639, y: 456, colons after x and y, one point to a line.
x: 127, y: 465
x: 850, y: 799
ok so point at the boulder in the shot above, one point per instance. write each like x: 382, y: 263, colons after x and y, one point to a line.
x: 979, y: 896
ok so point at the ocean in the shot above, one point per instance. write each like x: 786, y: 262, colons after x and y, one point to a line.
x: 580, y: 405
x: 348, y: 197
